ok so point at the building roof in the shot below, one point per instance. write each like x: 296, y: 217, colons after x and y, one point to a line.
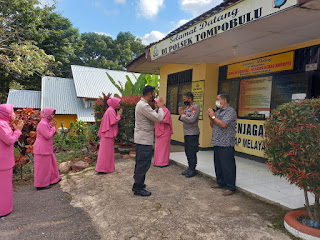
x: 24, y: 98
x: 60, y: 94
x: 91, y: 82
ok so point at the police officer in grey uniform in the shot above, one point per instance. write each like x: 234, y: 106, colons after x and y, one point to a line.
x: 190, y: 118
x: 145, y: 117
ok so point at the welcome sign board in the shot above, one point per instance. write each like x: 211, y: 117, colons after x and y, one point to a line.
x: 238, y: 15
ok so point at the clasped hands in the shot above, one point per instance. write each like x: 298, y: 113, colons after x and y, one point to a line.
x: 211, y: 113
x: 19, y: 126
x: 119, y: 113
x: 181, y: 111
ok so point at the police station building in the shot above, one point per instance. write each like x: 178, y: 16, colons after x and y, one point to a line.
x: 262, y: 52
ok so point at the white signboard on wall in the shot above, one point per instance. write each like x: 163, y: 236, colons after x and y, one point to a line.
x: 238, y: 15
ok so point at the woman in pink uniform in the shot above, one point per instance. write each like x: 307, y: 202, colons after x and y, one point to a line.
x: 45, y: 164
x: 7, y: 140
x: 163, y: 132
x: 107, y: 132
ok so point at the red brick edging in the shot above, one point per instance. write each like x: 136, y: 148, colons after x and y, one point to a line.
x: 291, y: 220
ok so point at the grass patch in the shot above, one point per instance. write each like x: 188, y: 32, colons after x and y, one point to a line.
x: 68, y: 156
x: 68, y: 176
x: 27, y: 175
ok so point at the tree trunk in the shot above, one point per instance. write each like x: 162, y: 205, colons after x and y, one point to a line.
x: 21, y: 171
x: 317, y: 208
x: 4, y: 88
x: 307, y: 205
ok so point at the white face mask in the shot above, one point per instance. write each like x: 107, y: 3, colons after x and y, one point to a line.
x: 218, y: 104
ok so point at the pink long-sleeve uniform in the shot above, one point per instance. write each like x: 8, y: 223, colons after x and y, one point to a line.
x: 45, y: 164
x: 107, y: 132
x: 163, y: 132
x: 7, y: 140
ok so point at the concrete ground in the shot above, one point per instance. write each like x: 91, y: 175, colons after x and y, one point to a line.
x: 179, y: 208
x: 46, y: 214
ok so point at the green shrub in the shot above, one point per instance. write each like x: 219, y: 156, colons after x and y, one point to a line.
x: 293, y: 147
x: 127, y: 122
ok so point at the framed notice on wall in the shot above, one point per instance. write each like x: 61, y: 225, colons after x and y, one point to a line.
x: 198, y: 95
x: 255, y: 98
x: 274, y: 63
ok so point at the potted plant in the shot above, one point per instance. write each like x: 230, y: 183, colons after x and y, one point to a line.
x: 133, y: 154
x: 292, y: 146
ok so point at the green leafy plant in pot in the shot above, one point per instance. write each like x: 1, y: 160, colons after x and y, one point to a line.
x: 292, y: 144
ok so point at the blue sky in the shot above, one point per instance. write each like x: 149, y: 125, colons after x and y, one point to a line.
x: 150, y: 20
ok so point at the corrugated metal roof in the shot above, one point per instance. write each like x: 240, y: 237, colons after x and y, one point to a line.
x: 60, y: 94
x: 91, y: 82
x: 24, y: 98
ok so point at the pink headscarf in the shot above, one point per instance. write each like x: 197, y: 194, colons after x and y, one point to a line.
x: 106, y: 123
x: 46, y: 113
x: 5, y: 111
x: 113, y: 102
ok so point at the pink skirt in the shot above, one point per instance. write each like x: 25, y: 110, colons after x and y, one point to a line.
x: 105, y: 162
x: 45, y: 170
x: 6, y: 193
x: 162, y: 151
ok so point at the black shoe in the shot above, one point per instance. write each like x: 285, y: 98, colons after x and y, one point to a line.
x: 101, y: 173
x: 143, y: 187
x: 5, y: 215
x: 43, y: 188
x: 163, y: 166
x: 142, y: 193
x: 56, y: 182
x: 185, y: 172
x: 191, y: 173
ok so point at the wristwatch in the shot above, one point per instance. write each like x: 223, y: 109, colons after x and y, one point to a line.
x: 213, y: 117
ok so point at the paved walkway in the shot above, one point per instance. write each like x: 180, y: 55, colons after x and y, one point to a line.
x: 253, y: 177
x: 46, y: 214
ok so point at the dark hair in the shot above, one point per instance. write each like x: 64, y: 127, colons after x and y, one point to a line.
x: 224, y: 95
x: 188, y: 94
x: 147, y: 89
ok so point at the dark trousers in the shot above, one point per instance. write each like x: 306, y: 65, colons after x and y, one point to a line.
x: 143, y: 162
x: 191, y: 147
x: 225, y: 167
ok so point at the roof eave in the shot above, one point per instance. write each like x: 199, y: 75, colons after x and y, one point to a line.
x: 136, y: 62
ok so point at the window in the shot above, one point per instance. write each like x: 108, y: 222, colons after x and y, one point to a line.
x: 286, y: 85
x: 232, y: 88
x: 177, y: 85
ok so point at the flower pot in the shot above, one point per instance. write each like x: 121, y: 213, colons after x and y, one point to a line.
x: 126, y: 148
x: 118, y: 144
x: 132, y: 153
x: 298, y: 229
